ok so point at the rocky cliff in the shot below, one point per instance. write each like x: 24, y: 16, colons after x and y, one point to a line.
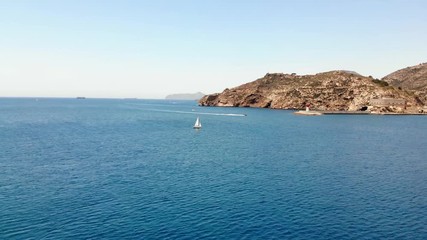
x: 328, y: 91
x: 412, y: 78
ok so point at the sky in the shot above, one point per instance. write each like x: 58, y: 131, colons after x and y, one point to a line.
x: 149, y: 49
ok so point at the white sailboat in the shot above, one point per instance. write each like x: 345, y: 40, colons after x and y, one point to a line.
x: 198, y: 124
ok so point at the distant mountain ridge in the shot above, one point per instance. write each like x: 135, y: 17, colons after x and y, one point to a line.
x: 185, y: 96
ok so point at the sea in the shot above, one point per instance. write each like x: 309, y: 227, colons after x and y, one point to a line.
x: 136, y: 169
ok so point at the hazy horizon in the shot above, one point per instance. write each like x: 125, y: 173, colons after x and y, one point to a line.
x: 146, y: 49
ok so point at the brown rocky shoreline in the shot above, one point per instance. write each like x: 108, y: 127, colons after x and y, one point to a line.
x: 318, y: 113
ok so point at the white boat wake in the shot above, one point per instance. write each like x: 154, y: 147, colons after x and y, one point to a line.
x: 193, y: 112
x: 135, y: 106
x: 199, y: 113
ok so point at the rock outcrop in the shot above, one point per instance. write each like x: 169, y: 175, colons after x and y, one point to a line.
x: 328, y: 91
x: 413, y: 79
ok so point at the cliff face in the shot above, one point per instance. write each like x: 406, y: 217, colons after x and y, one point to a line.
x: 329, y: 91
x: 411, y: 78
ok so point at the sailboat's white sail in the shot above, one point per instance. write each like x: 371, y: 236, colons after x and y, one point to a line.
x: 198, y: 124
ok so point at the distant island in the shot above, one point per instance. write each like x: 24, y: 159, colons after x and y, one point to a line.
x: 402, y: 92
x: 185, y: 96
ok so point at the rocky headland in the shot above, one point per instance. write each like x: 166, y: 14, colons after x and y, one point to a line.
x: 328, y: 91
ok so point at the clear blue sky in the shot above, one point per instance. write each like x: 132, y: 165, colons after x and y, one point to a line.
x: 149, y: 49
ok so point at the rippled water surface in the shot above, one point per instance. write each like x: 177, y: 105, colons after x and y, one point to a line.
x: 126, y: 169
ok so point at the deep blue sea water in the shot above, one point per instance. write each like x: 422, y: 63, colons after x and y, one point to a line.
x: 135, y: 169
